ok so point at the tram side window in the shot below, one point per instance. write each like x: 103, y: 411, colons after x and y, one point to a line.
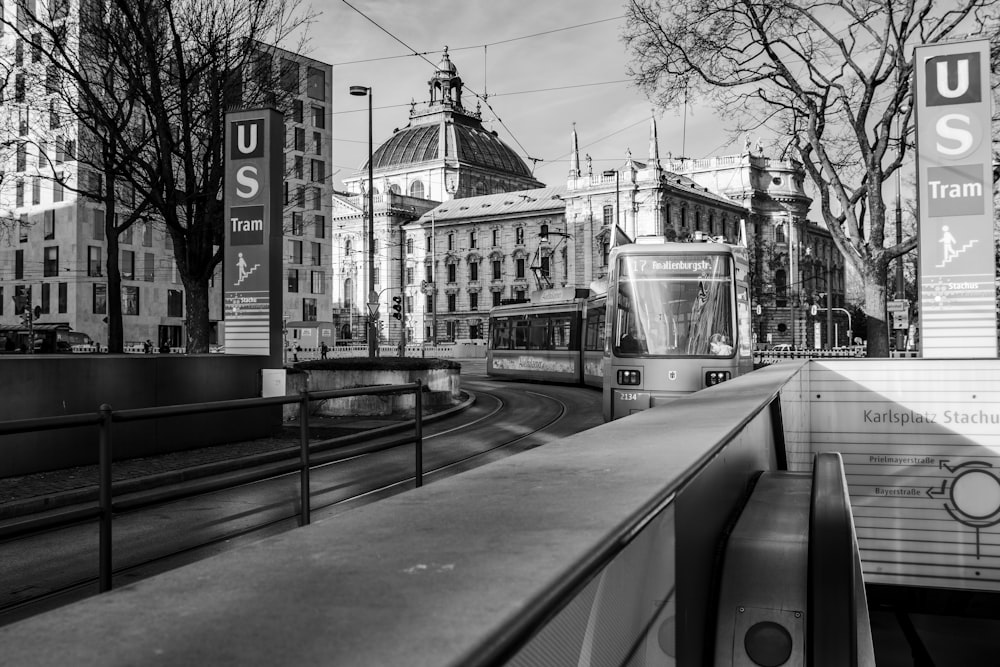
x: 501, y: 336
x: 538, y: 337
x: 520, y: 337
x: 595, y: 330
x: 562, y: 331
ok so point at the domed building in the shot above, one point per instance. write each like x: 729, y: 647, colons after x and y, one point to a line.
x: 444, y: 152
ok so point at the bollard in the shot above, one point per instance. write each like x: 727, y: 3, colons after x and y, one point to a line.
x: 304, y: 457
x: 418, y: 411
x: 104, y: 500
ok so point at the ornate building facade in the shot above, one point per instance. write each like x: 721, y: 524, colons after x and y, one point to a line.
x: 460, y: 226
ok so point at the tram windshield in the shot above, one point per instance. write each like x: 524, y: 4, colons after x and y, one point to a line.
x: 680, y: 305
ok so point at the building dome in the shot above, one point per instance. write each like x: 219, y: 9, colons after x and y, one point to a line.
x: 468, y: 142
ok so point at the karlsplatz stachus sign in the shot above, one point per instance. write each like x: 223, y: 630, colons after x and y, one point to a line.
x: 955, y: 200
x: 253, y: 216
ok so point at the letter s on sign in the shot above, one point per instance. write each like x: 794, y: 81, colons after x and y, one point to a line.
x: 946, y: 129
x: 247, y: 184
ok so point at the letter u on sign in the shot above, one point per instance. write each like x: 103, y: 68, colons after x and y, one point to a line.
x: 953, y: 79
x: 246, y: 139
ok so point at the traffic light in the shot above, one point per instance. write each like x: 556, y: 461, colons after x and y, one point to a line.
x: 22, y: 303
x: 397, y: 307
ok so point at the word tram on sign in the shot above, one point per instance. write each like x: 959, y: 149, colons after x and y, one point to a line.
x: 252, y: 259
x: 955, y: 197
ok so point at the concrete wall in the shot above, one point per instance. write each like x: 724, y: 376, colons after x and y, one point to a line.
x: 54, y: 385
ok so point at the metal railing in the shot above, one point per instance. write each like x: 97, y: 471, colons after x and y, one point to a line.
x: 106, y: 418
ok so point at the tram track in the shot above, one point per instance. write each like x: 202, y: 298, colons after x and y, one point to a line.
x: 446, y: 453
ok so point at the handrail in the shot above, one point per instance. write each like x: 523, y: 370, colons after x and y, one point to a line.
x: 106, y: 417
x: 833, y: 624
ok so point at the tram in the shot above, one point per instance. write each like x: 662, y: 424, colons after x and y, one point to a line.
x: 678, y: 318
x: 557, y: 336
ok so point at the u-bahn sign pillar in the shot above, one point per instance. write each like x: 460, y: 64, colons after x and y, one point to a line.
x: 955, y: 200
x: 253, y: 221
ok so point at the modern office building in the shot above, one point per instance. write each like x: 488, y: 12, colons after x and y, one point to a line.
x: 52, y: 240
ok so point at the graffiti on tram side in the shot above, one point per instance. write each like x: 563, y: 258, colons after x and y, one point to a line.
x: 594, y: 368
x: 527, y: 363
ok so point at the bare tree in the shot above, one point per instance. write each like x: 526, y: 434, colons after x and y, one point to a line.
x: 833, y: 77
x: 149, y: 82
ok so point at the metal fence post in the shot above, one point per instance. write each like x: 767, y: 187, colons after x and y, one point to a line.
x: 104, y: 500
x: 418, y: 411
x: 304, y: 456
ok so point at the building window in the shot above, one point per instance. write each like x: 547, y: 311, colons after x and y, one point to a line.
x: 63, y: 297
x: 317, y: 199
x: 149, y: 267
x: 409, y: 246
x: 300, y: 139
x: 19, y: 193
x: 317, y: 171
x: 128, y: 265
x: 451, y: 303
x: 300, y: 196
x: 496, y: 298
x: 779, y: 234
x: 316, y: 84
x: 318, y: 117
x: 147, y: 234
x: 519, y: 295
x: 319, y: 226
x: 377, y: 275
x: 54, y: 120
x: 474, y: 271
x: 296, y: 252
x: 175, y: 303
x: 473, y: 300
x: 317, y: 279
x: 128, y: 234
x: 93, y: 261
x: 289, y: 76
x: 348, y: 293
x: 780, y: 288
x: 296, y: 224
x: 51, y: 262
x: 130, y: 299
x: 609, y: 215
x: 545, y: 267
x: 452, y: 272
x: 293, y: 280
x: 519, y: 236
x: 429, y: 305
x: 98, y: 225
x: 49, y: 225
x: 428, y: 272
x: 317, y: 143
x: 18, y: 264
x: 308, y: 310
x: 496, y: 269
x: 417, y: 189
x: 317, y: 254
x: 297, y: 108
x: 496, y: 237
x: 36, y: 191
x: 519, y: 267
x: 472, y: 239
x: 297, y: 168
x: 100, y: 305
x: 46, y: 298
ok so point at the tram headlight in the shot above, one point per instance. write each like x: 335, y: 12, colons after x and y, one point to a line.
x: 629, y: 377
x: 716, y: 377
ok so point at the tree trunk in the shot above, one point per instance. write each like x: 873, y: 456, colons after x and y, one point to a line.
x: 196, y: 303
x: 875, y: 313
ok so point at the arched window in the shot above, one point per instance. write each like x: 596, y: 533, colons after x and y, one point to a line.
x: 417, y: 189
x: 519, y: 236
x: 347, y: 247
x: 395, y: 189
x: 480, y: 188
x: 348, y: 292
x: 779, y: 233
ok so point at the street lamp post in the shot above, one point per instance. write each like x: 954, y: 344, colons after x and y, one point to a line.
x: 900, y: 291
x: 365, y: 91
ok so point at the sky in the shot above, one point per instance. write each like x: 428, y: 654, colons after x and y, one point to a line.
x: 543, y: 65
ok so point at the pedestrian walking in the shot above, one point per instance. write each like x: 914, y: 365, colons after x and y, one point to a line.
x: 147, y: 347
x: 323, y: 349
